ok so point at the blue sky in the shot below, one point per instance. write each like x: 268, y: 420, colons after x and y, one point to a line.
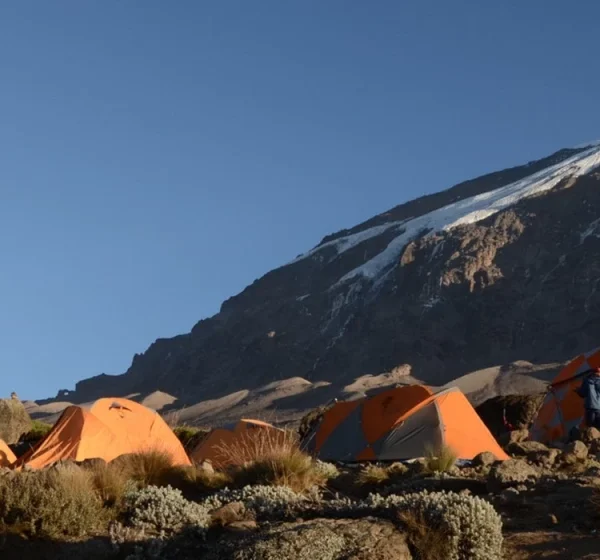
x: 157, y: 157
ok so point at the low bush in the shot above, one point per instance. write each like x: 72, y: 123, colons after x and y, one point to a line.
x: 60, y: 501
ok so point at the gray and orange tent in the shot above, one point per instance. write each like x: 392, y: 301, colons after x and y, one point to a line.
x: 401, y: 424
x: 7, y: 457
x: 235, y: 443
x: 562, y: 409
x: 105, y: 430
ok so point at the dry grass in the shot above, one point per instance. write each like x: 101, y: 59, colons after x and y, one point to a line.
x: 272, y: 458
x: 428, y: 543
x: 199, y: 479
x: 147, y: 468
x: 439, y: 460
x: 372, y: 475
x: 110, y: 482
x: 54, y: 502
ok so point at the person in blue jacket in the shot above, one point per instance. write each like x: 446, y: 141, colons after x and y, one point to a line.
x: 590, y: 391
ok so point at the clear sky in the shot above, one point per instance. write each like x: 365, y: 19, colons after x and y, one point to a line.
x: 156, y: 157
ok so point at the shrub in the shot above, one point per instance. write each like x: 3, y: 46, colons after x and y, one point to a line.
x: 372, y: 475
x: 52, y: 502
x: 38, y: 431
x: 163, y: 510
x: 439, y: 460
x: 470, y: 526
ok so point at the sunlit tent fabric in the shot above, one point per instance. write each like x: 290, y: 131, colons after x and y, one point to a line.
x: 562, y: 409
x: 400, y: 424
x: 7, y: 457
x: 246, y: 436
x: 107, y: 429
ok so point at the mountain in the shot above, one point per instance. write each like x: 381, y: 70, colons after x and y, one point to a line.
x: 501, y: 268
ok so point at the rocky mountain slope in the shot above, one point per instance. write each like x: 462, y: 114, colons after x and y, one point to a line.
x: 501, y: 268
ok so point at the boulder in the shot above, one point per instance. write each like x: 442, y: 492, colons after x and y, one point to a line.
x: 484, y: 459
x: 14, y: 420
x: 319, y: 539
x: 524, y: 448
x: 510, y: 473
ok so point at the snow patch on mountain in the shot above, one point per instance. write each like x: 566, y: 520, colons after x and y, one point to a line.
x: 469, y: 211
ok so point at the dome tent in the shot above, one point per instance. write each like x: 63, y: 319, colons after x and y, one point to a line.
x: 107, y: 429
x: 400, y: 424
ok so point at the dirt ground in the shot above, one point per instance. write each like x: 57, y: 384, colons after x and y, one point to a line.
x: 552, y: 545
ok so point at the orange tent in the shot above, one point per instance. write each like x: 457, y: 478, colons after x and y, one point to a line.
x: 399, y: 424
x: 247, y: 437
x: 7, y: 457
x: 107, y: 429
x: 562, y: 409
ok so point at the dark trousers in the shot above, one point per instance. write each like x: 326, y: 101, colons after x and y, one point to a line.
x: 592, y: 418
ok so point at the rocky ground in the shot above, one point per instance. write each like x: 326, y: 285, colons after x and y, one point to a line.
x: 547, y: 498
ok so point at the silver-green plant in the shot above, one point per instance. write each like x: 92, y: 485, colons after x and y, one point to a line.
x: 164, y: 510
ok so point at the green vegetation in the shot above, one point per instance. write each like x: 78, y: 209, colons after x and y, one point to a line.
x: 39, y: 430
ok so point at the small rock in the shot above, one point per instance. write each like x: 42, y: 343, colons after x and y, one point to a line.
x: 578, y: 449
x: 515, y: 436
x: 484, y: 459
x: 207, y: 467
x: 546, y: 457
x: 229, y: 513
x: 590, y: 434
x: 242, y: 526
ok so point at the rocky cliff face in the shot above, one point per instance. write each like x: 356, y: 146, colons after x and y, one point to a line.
x: 501, y: 268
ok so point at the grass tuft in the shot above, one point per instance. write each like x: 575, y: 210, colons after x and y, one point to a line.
x: 442, y: 459
x: 271, y: 458
x: 372, y: 475
x: 149, y: 468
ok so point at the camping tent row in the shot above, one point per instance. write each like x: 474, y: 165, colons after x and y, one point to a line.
x: 396, y: 424
x: 562, y: 408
